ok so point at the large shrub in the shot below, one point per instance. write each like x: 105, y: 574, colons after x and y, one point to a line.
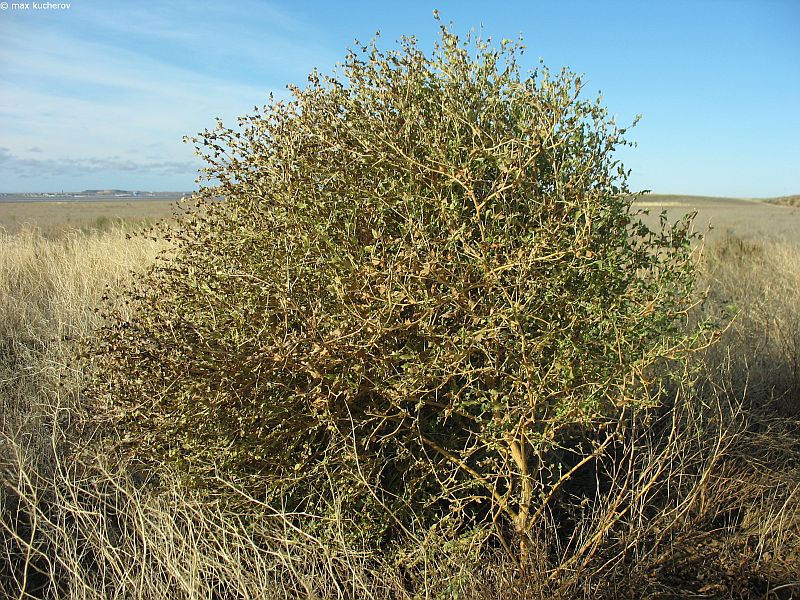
x: 414, y: 294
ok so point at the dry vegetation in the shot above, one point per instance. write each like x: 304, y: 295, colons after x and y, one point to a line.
x: 423, y: 349
x: 786, y: 200
x: 702, y: 498
x: 56, y: 218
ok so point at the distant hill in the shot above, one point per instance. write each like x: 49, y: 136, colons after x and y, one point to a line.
x: 786, y: 200
x: 108, y: 192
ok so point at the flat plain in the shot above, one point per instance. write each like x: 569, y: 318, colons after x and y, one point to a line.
x: 717, y: 218
x: 54, y: 217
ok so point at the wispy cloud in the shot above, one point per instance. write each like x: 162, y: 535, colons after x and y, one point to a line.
x: 33, y: 167
x: 242, y: 39
x: 107, y: 92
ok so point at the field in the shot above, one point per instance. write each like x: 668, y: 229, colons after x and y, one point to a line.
x: 712, y: 506
x: 748, y: 219
x: 55, y: 217
x: 773, y: 219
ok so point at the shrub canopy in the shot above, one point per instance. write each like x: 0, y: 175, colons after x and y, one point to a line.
x: 419, y: 283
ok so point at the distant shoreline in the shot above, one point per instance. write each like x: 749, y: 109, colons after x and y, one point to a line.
x: 96, y: 197
x: 18, y: 199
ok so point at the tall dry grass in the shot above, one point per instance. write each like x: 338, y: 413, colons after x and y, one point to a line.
x: 758, y: 284
x: 50, y: 289
x: 701, y: 497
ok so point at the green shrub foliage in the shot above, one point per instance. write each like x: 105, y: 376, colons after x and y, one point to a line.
x: 417, y: 287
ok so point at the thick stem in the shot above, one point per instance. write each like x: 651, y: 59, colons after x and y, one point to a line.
x: 519, y: 452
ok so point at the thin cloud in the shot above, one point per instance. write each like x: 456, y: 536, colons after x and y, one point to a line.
x: 250, y: 35
x: 26, y: 166
x: 117, y: 92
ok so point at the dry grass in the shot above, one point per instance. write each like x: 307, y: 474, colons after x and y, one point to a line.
x: 758, y: 282
x: 60, y: 217
x: 49, y: 292
x: 701, y: 499
x: 786, y: 200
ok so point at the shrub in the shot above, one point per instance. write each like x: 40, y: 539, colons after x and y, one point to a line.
x: 417, y: 287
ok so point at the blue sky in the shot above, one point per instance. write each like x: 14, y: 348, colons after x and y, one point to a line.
x: 99, y: 95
